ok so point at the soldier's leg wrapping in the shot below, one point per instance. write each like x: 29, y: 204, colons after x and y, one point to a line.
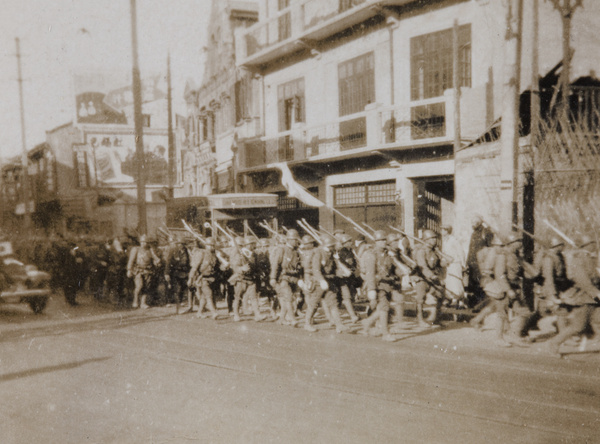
x: 286, y: 296
x: 252, y: 296
x: 238, y: 292
x: 330, y: 301
x: 208, y: 289
x: 146, y: 282
x: 201, y: 294
x: 347, y: 302
x: 500, y: 307
x: 578, y: 320
x: 138, y: 281
x: 383, y: 309
x: 421, y: 289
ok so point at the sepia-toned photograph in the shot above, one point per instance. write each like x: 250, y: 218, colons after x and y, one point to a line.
x: 299, y: 221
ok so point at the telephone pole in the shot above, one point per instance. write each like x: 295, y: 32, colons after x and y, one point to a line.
x: 509, y: 156
x: 139, y: 130
x: 172, y: 157
x: 24, y: 158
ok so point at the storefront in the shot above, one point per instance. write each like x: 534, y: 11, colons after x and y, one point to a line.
x: 242, y: 212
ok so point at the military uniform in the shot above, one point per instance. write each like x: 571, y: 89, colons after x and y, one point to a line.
x: 203, y: 277
x: 324, y: 271
x: 244, y: 279
x: 285, y: 272
x: 347, y: 275
x: 427, y: 278
x: 582, y: 299
x: 177, y: 269
x: 141, y: 265
x: 379, y: 272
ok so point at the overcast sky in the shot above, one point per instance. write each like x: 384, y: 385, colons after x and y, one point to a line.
x: 59, y: 37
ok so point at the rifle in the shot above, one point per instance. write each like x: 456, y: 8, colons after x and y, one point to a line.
x: 561, y: 234
x: 532, y: 236
x: 310, y: 232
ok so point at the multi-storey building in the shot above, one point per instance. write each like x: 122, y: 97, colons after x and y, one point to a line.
x: 220, y: 105
x: 367, y: 101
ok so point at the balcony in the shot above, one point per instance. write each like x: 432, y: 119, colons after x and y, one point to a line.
x: 422, y: 124
x: 303, y: 21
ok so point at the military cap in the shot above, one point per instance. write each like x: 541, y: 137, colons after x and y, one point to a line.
x: 556, y: 242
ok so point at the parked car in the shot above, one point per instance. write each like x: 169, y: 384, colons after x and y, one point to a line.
x: 21, y: 283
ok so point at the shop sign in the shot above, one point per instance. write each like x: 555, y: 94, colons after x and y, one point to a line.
x: 239, y: 201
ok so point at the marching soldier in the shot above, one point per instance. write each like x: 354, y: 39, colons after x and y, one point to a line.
x: 141, y: 264
x: 203, y: 276
x: 245, y: 276
x: 347, y: 274
x: 312, y: 293
x: 428, y: 276
x: 582, y: 299
x: 379, y: 271
x: 285, y: 272
x: 264, y: 270
x: 177, y: 268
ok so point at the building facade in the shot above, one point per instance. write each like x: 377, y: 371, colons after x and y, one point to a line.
x: 368, y: 101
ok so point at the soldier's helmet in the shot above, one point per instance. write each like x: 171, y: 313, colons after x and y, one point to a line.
x: 209, y: 241
x: 556, y: 242
x: 307, y: 240
x: 143, y: 238
x: 429, y: 234
x: 345, y: 238
x: 328, y: 241
x: 292, y: 234
x: 497, y: 240
x: 339, y: 233
x: 513, y: 238
x: 379, y: 235
x: 249, y: 241
x: 586, y: 241
x: 392, y: 237
x: 239, y: 241
x: 264, y: 242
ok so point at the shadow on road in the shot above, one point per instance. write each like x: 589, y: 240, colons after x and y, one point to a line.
x: 49, y: 369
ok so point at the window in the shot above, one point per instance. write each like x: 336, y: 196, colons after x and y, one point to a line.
x: 146, y: 120
x: 431, y: 60
x: 356, y: 84
x: 365, y: 193
x: 290, y: 104
x: 428, y: 121
x: 284, y: 21
x: 243, y: 97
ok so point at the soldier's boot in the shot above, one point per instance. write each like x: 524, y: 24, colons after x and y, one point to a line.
x: 420, y: 320
x: 143, y: 302
x: 327, y: 312
x: 201, y: 305
x: 136, y: 299
x: 350, y: 309
x: 368, y: 323
x: 310, y: 312
x: 289, y: 314
x: 236, y: 310
x: 337, y: 319
x: 258, y: 316
x: 211, y: 307
x: 383, y: 326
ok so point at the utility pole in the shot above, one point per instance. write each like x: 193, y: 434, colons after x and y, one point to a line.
x: 24, y: 158
x: 172, y: 157
x: 509, y: 156
x: 566, y: 8
x: 139, y: 130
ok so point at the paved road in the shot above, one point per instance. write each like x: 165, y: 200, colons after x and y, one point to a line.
x: 151, y: 376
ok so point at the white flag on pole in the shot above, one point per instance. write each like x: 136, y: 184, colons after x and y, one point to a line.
x: 294, y: 188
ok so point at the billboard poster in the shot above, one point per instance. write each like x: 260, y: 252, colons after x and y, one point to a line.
x: 111, y: 158
x: 103, y: 97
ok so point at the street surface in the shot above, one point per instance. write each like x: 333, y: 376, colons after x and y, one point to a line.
x: 92, y: 374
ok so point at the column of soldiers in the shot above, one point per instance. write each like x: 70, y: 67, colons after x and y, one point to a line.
x: 333, y: 272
